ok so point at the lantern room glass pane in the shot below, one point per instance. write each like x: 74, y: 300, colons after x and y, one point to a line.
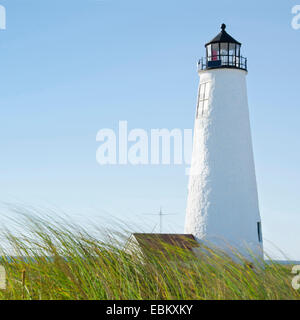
x: 209, y: 52
x: 238, y: 50
x: 231, y: 54
x: 232, y: 49
x: 224, y: 53
x: 215, y: 52
x: 224, y: 48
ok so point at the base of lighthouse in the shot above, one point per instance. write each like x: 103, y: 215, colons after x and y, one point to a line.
x: 222, y: 207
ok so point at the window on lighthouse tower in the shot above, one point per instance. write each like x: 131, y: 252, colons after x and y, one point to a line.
x: 204, y: 91
x: 259, y: 231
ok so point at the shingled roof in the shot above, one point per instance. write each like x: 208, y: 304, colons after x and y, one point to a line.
x: 159, y: 241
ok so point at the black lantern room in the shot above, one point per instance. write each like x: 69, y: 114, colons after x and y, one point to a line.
x: 223, y: 52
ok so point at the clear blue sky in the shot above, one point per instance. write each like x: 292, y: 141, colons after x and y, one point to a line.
x: 71, y: 68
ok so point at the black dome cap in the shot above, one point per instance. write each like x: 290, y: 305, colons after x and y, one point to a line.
x: 223, y: 36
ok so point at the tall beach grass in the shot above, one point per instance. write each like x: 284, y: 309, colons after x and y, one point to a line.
x: 61, y: 260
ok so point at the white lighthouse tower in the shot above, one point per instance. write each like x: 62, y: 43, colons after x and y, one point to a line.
x: 222, y: 207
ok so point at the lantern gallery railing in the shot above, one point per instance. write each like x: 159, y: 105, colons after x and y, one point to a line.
x: 219, y: 61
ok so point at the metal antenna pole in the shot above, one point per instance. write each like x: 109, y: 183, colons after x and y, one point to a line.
x: 160, y: 214
x: 160, y: 220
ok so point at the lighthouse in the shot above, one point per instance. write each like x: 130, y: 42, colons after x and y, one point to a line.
x: 222, y: 206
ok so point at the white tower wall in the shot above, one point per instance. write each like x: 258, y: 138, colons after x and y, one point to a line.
x: 222, y: 203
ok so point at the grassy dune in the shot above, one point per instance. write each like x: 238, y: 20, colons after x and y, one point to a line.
x: 63, y: 261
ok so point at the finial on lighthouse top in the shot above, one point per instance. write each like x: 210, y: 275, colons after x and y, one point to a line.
x: 223, y: 36
x: 223, y: 51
